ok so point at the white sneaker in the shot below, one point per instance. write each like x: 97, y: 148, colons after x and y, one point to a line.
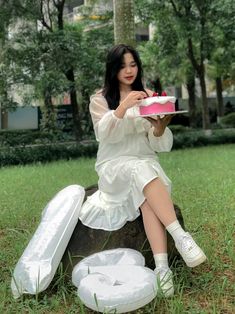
x: 190, y: 251
x: 164, y: 281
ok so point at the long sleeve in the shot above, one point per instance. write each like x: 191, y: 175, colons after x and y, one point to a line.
x: 162, y: 143
x: 107, y: 126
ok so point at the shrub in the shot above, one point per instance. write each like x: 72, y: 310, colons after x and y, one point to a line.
x: 55, y: 151
x: 228, y: 120
x: 199, y: 138
x: 175, y: 128
x: 28, y: 137
x: 45, y: 153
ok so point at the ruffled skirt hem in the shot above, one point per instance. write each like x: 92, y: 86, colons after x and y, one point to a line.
x: 110, y: 217
x: 111, y: 211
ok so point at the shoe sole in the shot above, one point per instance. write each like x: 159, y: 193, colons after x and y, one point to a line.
x: 200, y: 259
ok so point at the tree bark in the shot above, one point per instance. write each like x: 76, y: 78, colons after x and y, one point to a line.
x: 60, y: 9
x: 4, y: 119
x: 75, y: 108
x: 190, y: 84
x: 48, y: 121
x: 70, y: 76
x: 219, y: 95
x: 200, y: 70
x: 157, y: 85
x: 124, y: 23
x: 205, y: 109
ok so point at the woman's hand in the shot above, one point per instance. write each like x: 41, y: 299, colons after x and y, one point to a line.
x: 160, y: 124
x: 132, y: 99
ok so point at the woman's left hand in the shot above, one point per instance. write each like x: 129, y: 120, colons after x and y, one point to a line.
x: 160, y: 124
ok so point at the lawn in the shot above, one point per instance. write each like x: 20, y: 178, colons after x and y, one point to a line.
x: 203, y: 186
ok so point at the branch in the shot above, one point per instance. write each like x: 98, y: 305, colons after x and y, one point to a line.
x: 60, y: 8
x: 59, y: 3
x: 201, y: 43
x: 43, y: 21
x: 49, y: 15
x: 55, y: 4
x: 177, y: 12
x: 192, y: 57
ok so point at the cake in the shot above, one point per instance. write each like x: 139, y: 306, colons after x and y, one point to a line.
x: 157, y: 105
x: 154, y: 107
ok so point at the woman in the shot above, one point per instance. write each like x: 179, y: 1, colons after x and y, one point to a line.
x: 130, y: 176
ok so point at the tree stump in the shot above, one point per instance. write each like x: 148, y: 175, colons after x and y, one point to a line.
x: 86, y: 241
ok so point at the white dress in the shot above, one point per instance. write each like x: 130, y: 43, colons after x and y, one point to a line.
x: 126, y: 162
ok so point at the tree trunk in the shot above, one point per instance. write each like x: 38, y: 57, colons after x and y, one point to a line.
x: 200, y: 70
x: 70, y: 76
x: 4, y: 119
x: 205, y: 109
x: 157, y: 85
x: 75, y: 108
x: 190, y: 84
x: 124, y: 24
x: 219, y: 95
x: 48, y: 121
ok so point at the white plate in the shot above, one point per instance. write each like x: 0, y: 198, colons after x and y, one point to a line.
x: 163, y: 113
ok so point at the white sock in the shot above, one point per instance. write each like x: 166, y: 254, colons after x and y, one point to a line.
x: 161, y: 260
x: 175, y: 230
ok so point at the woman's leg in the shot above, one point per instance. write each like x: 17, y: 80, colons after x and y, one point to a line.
x: 156, y: 234
x: 160, y: 202
x: 154, y: 229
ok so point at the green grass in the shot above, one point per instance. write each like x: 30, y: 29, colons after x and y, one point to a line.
x: 203, y: 186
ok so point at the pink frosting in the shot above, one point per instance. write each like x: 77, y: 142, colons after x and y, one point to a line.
x: 157, y: 108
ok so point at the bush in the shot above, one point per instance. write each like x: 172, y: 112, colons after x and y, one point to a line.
x: 175, y: 128
x: 29, y: 137
x: 51, y: 152
x: 46, y: 153
x: 228, y: 120
x: 199, y: 138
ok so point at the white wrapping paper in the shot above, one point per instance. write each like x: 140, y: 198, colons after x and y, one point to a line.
x: 38, y: 263
x: 114, y: 281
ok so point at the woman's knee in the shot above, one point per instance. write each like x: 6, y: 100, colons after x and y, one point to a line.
x: 156, y: 185
x: 145, y: 207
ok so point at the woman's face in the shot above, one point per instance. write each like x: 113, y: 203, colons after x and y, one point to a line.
x: 128, y: 71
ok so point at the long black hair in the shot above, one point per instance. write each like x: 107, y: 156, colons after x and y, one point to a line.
x: 113, y: 65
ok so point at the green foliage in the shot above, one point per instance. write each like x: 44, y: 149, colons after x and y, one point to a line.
x: 13, y: 138
x: 228, y: 120
x: 45, y: 153
x: 199, y: 138
x: 23, y: 147
x: 189, y: 35
x: 56, y: 59
x: 221, y: 61
x: 179, y: 128
x: 44, y: 58
x: 175, y: 23
x: 90, y: 73
x: 163, y: 56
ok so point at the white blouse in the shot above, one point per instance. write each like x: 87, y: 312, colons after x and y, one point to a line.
x: 126, y: 137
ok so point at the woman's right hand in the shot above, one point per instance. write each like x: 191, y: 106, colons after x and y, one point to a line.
x: 132, y: 99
